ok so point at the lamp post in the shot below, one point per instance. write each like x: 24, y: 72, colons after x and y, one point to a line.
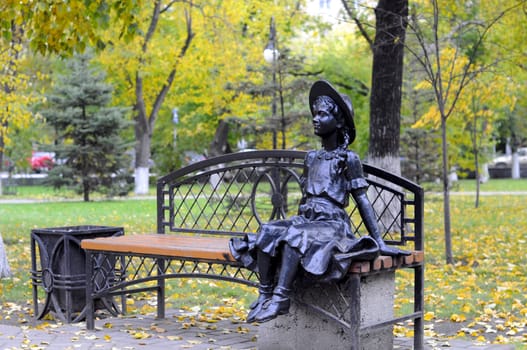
x: 271, y: 55
x: 175, y: 121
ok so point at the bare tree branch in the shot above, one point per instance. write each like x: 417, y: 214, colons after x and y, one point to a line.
x: 153, y: 25
x: 170, y: 79
x: 362, y: 29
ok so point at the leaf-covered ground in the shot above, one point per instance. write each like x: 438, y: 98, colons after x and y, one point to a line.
x: 482, y: 297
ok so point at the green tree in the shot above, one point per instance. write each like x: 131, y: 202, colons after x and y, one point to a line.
x: 67, y: 27
x: 188, y: 56
x: 512, y: 124
x: 173, y: 54
x: 284, y: 91
x: 451, y: 51
x: 89, y: 151
x: 16, y: 96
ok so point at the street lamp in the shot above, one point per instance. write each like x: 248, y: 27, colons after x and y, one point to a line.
x: 271, y: 55
x: 175, y: 121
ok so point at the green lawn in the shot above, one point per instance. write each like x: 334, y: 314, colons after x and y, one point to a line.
x: 493, y: 185
x: 50, y: 193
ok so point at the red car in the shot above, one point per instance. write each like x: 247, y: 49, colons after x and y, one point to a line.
x: 42, y: 161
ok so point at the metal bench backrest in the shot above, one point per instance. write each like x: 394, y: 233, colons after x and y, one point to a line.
x: 233, y: 194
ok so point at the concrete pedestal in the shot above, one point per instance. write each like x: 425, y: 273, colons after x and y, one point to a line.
x: 305, y: 329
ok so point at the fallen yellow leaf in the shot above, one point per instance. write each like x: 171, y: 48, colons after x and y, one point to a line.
x: 429, y: 316
x: 174, y: 337
x: 141, y: 335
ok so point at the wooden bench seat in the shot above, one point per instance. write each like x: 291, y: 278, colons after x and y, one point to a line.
x: 192, y: 247
x: 214, y: 249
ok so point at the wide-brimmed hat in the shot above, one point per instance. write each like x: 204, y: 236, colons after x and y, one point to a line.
x: 324, y: 88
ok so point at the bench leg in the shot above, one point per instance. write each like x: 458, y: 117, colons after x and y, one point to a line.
x: 419, y: 307
x: 122, y: 277
x: 90, y: 307
x: 160, y: 289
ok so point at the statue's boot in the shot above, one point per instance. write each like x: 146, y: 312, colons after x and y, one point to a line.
x: 266, y: 271
x: 280, y: 302
x: 278, y: 305
x: 266, y: 294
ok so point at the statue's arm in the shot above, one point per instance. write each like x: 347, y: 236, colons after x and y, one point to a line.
x: 370, y: 221
x: 367, y: 213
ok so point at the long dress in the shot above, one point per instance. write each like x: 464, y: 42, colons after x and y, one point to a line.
x: 321, y: 232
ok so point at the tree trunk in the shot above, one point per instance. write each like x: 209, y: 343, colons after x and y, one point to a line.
x: 2, y: 145
x: 86, y: 192
x: 386, y: 90
x: 478, y: 178
x: 387, y: 76
x: 515, y: 170
x: 220, y: 144
x: 143, y: 139
x: 5, y: 271
x: 449, y: 256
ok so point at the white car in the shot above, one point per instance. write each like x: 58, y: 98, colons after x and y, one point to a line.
x: 505, y: 161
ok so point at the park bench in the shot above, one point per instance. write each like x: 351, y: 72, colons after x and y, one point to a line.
x: 201, y: 206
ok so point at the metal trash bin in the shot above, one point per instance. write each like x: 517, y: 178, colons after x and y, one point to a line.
x: 58, y: 271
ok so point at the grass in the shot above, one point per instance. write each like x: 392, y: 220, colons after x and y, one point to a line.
x: 40, y: 192
x: 493, y: 185
x: 484, y: 292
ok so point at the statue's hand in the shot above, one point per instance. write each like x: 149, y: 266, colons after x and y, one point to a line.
x: 391, y: 251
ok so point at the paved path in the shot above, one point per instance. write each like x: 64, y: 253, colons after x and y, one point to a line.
x: 177, y: 331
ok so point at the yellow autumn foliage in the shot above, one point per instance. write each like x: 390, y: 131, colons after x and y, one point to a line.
x: 16, y: 97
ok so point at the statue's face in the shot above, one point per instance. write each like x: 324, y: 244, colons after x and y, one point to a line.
x: 324, y: 121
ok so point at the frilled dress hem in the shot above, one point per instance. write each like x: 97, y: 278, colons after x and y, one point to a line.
x: 320, y: 233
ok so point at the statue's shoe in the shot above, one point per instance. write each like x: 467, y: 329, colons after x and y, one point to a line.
x: 256, y: 307
x: 273, y: 309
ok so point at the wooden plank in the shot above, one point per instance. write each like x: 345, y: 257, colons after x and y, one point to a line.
x: 382, y: 262
x: 419, y: 256
x: 215, y: 248
x: 360, y: 267
x: 416, y: 257
x: 387, y: 262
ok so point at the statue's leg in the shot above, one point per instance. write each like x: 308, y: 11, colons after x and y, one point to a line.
x: 279, y: 304
x: 266, y: 270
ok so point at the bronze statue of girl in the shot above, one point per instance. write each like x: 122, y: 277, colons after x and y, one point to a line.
x: 319, y: 239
